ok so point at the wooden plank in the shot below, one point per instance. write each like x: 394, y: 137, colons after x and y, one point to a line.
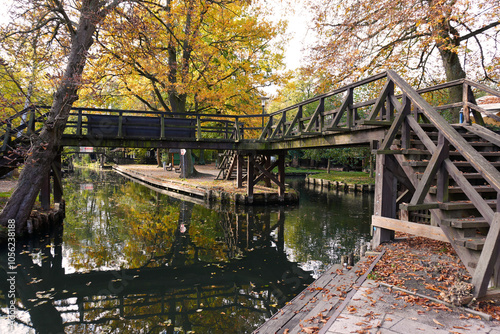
x: 375, y: 122
x: 488, y: 258
x: 465, y: 222
x: 420, y: 206
x: 318, y: 304
x: 427, y: 231
x: 465, y: 205
x: 328, y: 305
x: 283, y: 316
x: 351, y: 294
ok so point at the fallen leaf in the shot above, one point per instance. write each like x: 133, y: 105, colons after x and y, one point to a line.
x: 437, y: 322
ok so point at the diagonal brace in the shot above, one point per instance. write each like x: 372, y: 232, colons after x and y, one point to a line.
x: 267, y: 173
x: 430, y: 172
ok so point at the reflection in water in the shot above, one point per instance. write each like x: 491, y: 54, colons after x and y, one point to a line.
x: 131, y: 260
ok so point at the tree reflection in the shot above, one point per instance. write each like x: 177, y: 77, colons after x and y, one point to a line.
x: 134, y: 261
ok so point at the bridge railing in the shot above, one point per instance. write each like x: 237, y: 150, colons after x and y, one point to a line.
x: 101, y: 124
x: 135, y: 124
x: 19, y: 127
x: 365, y: 103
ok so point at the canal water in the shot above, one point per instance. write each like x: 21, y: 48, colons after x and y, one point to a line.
x: 131, y: 260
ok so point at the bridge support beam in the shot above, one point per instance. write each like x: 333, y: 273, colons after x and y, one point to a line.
x: 261, y: 169
x: 385, y: 198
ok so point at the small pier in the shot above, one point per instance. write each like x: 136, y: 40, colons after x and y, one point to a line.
x: 203, y: 189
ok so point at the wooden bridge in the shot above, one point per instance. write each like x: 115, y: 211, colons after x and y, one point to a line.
x: 433, y: 179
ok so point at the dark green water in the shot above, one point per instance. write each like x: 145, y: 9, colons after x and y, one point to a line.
x: 131, y: 260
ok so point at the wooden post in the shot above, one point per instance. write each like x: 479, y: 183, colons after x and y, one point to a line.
x: 385, y: 203
x: 465, y: 99
x: 79, y: 123
x: 442, y: 174
x: 162, y: 126
x: 56, y: 170
x: 120, y: 124
x: 349, y: 110
x: 45, y: 192
x: 198, y: 127
x: 267, y: 163
x: 239, y: 170
x: 250, y: 178
x: 237, y: 129
x: 281, y: 175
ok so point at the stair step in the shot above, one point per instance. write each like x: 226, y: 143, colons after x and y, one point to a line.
x: 464, y: 205
x: 458, y: 190
x: 469, y: 176
x: 465, y: 222
x: 475, y: 243
x: 415, y: 163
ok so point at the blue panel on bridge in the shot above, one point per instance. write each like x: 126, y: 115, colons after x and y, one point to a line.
x: 140, y: 126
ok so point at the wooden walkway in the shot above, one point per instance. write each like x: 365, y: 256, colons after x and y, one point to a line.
x: 320, y: 303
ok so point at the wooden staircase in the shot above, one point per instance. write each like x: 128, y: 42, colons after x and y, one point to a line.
x: 15, y: 133
x: 440, y: 180
x: 228, y: 166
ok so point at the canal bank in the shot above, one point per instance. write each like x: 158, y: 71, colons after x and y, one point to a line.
x: 204, y: 187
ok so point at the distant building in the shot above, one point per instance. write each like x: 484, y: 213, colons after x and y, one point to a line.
x: 491, y: 104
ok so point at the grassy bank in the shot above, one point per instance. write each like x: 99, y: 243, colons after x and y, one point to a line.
x: 347, y: 177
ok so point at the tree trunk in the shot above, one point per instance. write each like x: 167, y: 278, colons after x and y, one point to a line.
x: 453, y: 69
x: 158, y: 157
x: 46, y: 146
x: 448, y: 41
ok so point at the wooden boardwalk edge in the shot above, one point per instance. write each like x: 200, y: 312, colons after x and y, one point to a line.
x: 318, y: 304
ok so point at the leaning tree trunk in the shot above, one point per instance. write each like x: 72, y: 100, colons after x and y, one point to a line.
x: 46, y: 146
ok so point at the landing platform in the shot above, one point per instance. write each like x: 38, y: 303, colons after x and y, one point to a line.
x: 349, y: 301
x: 203, y: 188
x: 324, y: 299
